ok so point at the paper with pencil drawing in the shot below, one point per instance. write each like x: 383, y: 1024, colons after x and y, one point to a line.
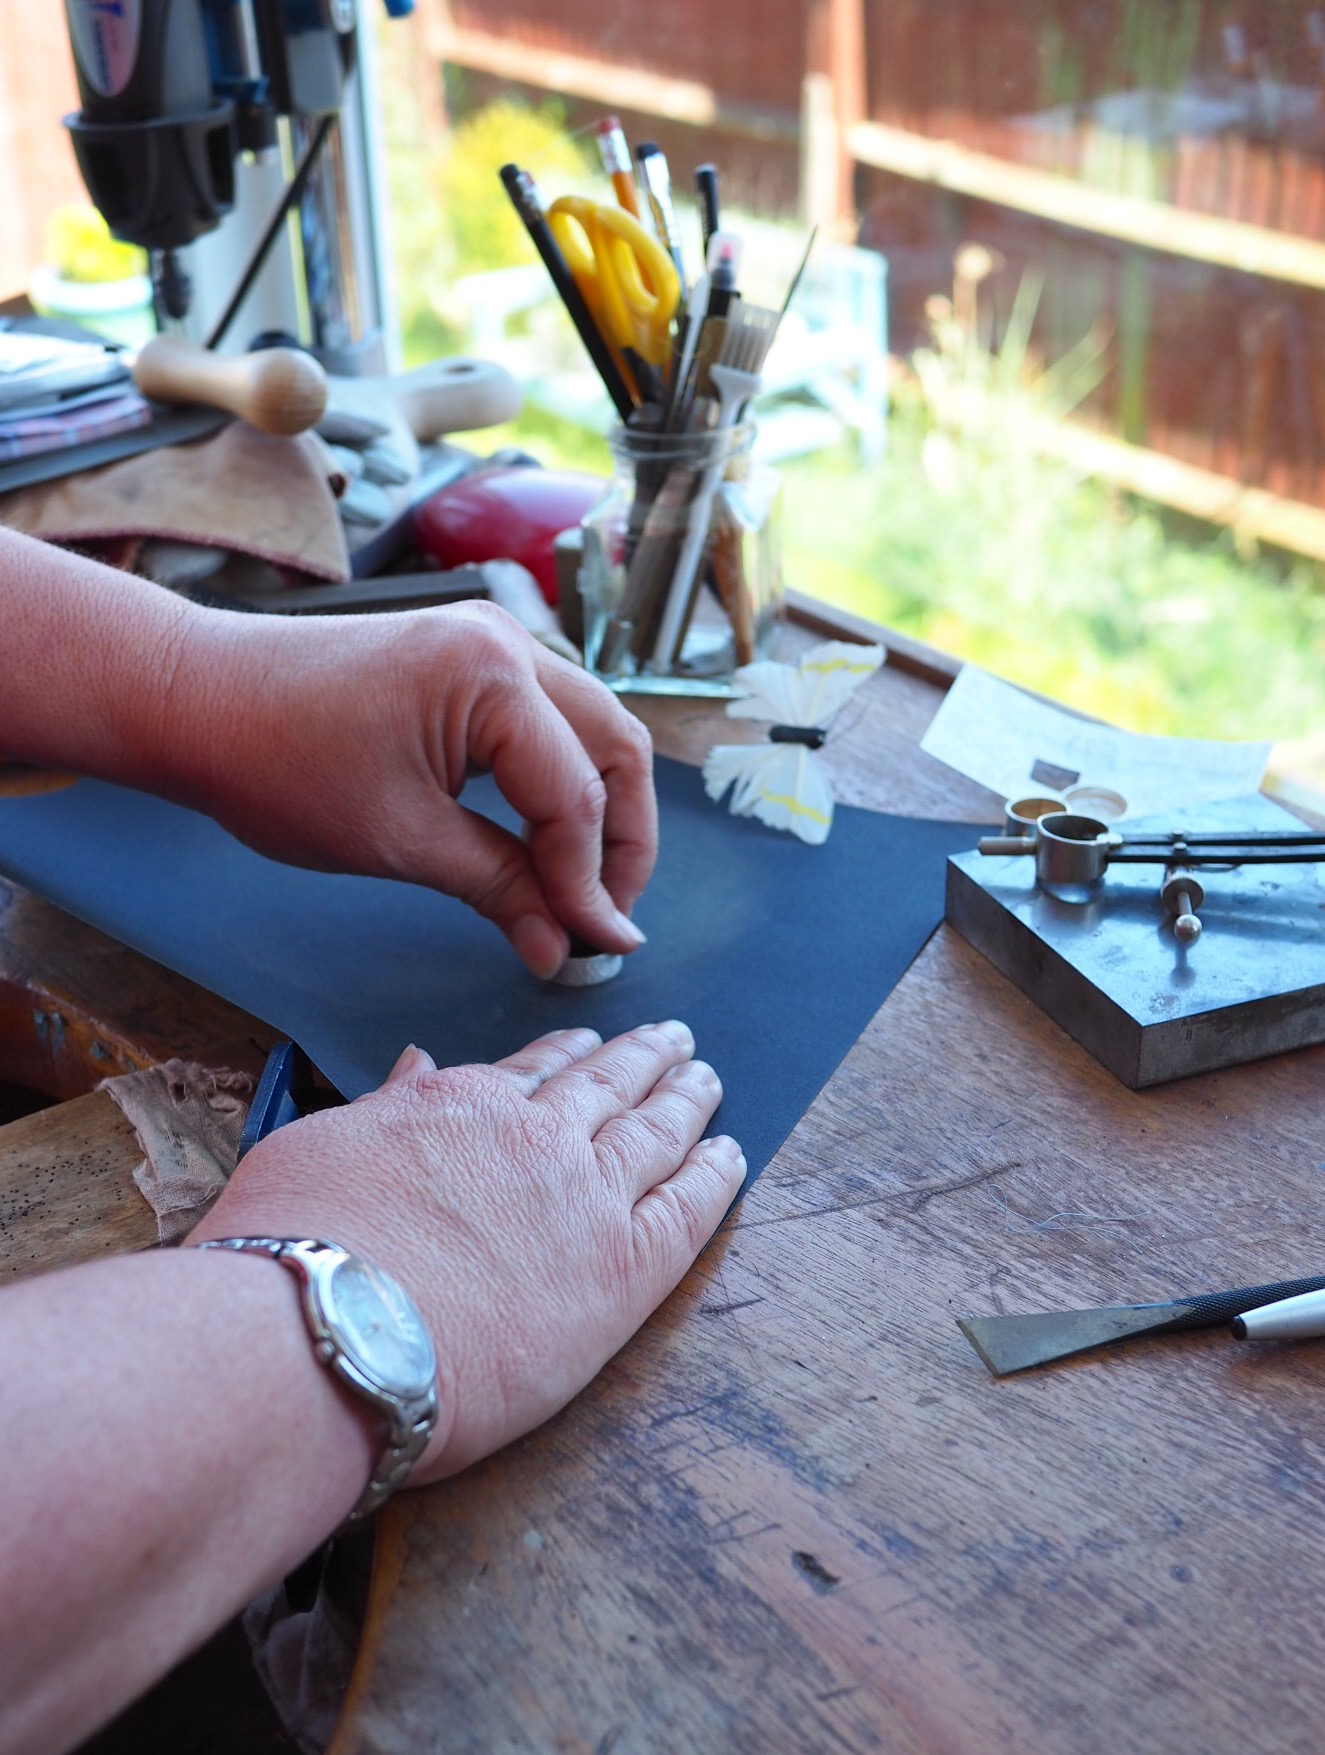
x: 1010, y: 742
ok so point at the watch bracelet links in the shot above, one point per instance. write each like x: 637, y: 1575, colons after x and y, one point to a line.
x: 406, y: 1444
x: 408, y: 1430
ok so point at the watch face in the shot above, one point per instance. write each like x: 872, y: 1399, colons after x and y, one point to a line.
x: 380, y: 1328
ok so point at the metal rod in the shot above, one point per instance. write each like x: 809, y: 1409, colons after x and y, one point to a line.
x: 1233, y: 855
x: 1252, y: 838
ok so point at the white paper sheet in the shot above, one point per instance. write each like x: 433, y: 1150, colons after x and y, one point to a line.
x: 996, y: 734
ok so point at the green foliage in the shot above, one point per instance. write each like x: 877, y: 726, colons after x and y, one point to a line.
x: 483, y: 228
x: 1013, y: 562
x: 449, y: 213
x: 970, y: 537
x: 79, y: 247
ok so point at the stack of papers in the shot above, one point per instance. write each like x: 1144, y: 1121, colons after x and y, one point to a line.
x: 55, y: 393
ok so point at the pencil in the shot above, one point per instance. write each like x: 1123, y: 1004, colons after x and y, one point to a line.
x: 615, y: 155
x: 523, y: 191
x: 658, y: 188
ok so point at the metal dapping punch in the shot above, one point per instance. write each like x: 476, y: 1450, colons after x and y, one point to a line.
x: 586, y: 966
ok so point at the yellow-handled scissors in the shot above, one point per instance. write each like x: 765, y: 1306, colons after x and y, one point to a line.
x: 627, y: 279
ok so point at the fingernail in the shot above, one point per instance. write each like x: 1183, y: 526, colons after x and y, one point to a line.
x: 412, y: 1061
x: 538, y: 944
x: 627, y: 926
x: 728, y: 1148
x: 676, y: 1031
x: 697, y: 1072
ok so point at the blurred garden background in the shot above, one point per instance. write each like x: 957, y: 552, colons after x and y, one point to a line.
x: 1079, y: 435
x: 977, y: 529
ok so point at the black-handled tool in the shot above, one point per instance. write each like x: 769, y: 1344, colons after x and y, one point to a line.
x: 1014, y: 1343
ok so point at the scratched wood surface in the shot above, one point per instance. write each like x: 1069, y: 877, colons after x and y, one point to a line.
x: 76, y: 1008
x: 796, y: 1513
x: 66, y: 1187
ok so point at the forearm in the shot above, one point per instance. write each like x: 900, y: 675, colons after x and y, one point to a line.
x: 172, y: 1447
x: 108, y: 674
x: 87, y: 658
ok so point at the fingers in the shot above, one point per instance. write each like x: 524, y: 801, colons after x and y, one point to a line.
x: 619, y: 1075
x: 620, y: 748
x: 544, y: 771
x: 411, y: 1063
x: 645, y: 1146
x: 533, y: 1066
x: 488, y: 867
x: 673, y: 1221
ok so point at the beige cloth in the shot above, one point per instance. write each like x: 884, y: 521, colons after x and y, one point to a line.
x: 241, y: 490
x: 188, y: 1119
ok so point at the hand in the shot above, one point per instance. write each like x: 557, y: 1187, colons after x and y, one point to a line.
x: 353, y: 739
x: 537, y: 1210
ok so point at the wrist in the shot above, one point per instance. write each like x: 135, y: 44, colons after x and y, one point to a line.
x: 321, y: 1417
x: 183, y: 737
x: 368, y: 1333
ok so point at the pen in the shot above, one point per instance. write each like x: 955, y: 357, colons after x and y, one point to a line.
x: 724, y: 258
x: 658, y: 187
x: 615, y: 155
x: 1289, y: 1319
x: 523, y: 191
x: 706, y: 187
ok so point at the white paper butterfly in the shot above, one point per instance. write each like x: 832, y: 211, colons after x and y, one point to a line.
x: 782, y: 782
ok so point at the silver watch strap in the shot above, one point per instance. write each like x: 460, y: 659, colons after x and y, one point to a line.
x: 409, y: 1423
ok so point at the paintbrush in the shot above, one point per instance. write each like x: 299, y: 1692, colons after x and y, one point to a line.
x: 734, y: 378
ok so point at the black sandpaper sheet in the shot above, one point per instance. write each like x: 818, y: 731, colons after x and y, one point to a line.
x: 775, y: 953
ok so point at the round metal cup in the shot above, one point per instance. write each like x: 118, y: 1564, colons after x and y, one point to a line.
x: 1072, y: 852
x: 1020, y: 815
x: 1096, y: 801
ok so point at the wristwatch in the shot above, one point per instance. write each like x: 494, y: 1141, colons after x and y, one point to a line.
x: 367, y: 1329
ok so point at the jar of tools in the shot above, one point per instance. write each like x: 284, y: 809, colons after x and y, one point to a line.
x: 680, y: 574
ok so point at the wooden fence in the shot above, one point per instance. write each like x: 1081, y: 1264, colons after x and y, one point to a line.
x: 1163, y: 165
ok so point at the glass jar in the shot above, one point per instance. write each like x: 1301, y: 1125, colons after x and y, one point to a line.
x: 681, y: 570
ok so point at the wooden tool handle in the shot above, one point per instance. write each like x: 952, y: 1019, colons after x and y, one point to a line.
x: 455, y: 396
x: 276, y: 390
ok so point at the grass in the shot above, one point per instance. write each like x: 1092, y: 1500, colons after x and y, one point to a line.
x: 1061, y: 586
x: 1057, y: 584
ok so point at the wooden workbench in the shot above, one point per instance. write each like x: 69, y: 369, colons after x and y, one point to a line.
x: 796, y: 1513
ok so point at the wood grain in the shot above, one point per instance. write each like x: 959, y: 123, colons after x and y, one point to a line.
x: 67, y: 1192
x: 797, y: 1514
x: 76, y: 1007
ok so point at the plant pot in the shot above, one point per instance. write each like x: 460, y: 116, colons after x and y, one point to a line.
x: 119, y: 310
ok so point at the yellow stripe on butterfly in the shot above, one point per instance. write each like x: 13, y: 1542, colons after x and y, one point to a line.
x: 835, y: 665
x: 795, y: 806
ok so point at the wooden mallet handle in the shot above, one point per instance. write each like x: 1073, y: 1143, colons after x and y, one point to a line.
x: 276, y: 390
